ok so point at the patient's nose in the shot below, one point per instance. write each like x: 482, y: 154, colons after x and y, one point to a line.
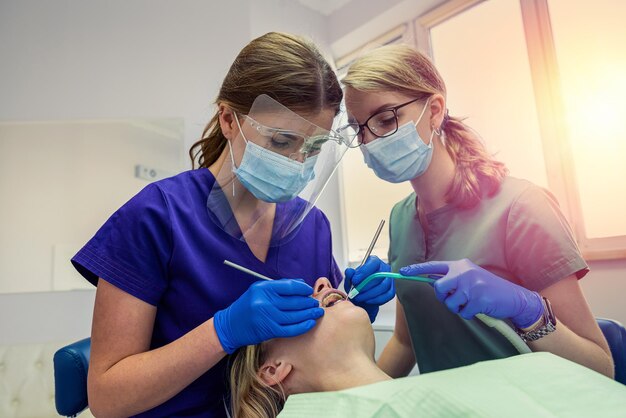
x: 321, y: 284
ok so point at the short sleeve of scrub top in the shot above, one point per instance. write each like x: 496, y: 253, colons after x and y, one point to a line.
x: 164, y: 248
x: 540, y: 248
x: 131, y: 250
x: 518, y: 234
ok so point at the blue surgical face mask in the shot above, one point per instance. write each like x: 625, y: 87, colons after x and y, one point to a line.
x: 272, y: 177
x: 401, y: 156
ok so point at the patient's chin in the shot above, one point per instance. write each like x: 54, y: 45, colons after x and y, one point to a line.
x: 361, y: 316
x: 345, y: 316
x: 342, y: 323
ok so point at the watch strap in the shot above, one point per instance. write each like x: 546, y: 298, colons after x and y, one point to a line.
x: 543, y: 327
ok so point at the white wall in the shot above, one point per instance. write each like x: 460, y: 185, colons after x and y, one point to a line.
x: 90, y: 59
x: 45, y: 316
x: 605, y: 287
x: 84, y: 171
x: 87, y: 59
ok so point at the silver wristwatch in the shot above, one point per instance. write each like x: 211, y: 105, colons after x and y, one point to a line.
x: 543, y: 327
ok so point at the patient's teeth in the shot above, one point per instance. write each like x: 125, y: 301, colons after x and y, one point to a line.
x: 332, y: 299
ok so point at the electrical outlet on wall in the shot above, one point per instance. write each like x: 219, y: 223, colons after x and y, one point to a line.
x: 151, y: 173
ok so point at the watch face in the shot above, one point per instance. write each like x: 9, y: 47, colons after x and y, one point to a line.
x: 549, y: 312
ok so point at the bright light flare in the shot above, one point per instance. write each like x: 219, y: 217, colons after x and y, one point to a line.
x: 596, y: 106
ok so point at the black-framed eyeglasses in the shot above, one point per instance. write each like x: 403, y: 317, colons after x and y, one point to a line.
x: 381, y: 124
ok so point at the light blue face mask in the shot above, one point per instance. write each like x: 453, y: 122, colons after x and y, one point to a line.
x: 272, y: 177
x: 401, y: 156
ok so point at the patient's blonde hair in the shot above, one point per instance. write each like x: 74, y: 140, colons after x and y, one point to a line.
x: 250, y: 396
x: 402, y: 69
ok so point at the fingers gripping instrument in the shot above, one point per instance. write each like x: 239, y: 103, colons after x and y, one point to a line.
x: 497, y: 324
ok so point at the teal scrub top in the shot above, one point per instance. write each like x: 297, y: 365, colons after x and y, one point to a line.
x: 530, y: 385
x: 518, y: 234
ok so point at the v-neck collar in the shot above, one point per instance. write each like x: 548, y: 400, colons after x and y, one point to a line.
x: 227, y: 217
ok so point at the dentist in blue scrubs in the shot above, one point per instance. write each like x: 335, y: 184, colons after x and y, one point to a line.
x: 168, y: 311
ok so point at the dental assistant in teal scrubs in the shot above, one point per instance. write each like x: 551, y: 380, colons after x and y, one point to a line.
x: 501, y: 243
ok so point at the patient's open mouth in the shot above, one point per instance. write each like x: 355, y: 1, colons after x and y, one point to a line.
x: 332, y: 297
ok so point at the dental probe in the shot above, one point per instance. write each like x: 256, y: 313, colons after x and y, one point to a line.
x: 369, y: 251
x: 371, y: 247
x: 498, y: 324
x: 245, y: 270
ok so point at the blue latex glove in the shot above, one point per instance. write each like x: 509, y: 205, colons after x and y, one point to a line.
x: 268, y: 309
x: 375, y: 293
x: 468, y: 289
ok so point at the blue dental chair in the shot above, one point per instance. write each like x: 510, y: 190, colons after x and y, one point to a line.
x: 70, y: 377
x: 615, y: 335
x: 72, y: 362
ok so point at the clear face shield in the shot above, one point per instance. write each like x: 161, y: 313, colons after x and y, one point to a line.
x: 277, y: 166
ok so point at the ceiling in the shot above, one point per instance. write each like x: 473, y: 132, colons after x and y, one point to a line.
x: 325, y: 7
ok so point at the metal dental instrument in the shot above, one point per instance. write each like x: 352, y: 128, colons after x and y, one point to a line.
x: 368, y: 252
x: 245, y: 270
x: 371, y: 247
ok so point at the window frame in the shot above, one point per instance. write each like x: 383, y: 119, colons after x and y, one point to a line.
x: 556, y: 146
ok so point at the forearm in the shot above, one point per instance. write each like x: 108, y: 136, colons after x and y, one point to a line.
x: 567, y: 344
x: 397, y: 359
x: 142, y: 381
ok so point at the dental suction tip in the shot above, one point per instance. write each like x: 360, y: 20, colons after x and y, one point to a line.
x: 353, y: 293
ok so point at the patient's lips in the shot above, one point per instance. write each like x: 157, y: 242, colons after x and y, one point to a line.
x: 331, y: 297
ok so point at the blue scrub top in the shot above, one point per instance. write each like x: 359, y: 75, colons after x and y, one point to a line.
x: 163, y: 248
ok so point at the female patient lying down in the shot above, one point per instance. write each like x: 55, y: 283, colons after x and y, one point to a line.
x: 330, y: 371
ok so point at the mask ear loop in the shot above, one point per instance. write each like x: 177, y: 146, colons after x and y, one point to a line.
x: 432, y: 134
x: 432, y: 127
x: 230, y: 146
x: 441, y: 132
x: 230, y: 149
x: 423, y: 111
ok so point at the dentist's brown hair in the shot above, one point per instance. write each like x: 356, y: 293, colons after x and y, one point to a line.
x: 288, y: 68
